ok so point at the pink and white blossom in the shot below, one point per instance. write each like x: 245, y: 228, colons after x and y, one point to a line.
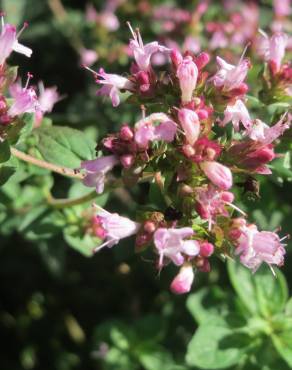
x: 218, y: 174
x: 48, y: 97
x: 273, y: 49
x: 187, y: 74
x: 96, y: 171
x: 282, y: 7
x: 229, y: 76
x: 115, y: 227
x: 9, y: 42
x: 25, y: 99
x: 112, y: 84
x: 261, y: 132
x: 143, y: 53
x: 183, y: 281
x: 190, y: 123
x: 88, y: 57
x: 236, y: 113
x: 256, y: 247
x: 171, y: 243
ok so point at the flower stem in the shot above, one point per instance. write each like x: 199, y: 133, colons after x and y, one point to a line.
x: 67, y: 202
x: 49, y: 166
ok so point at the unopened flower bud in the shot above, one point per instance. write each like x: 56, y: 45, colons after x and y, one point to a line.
x: 206, y: 266
x: 126, y: 133
x: 127, y: 160
x: 220, y: 175
x: 176, y: 57
x: 206, y: 249
x: 186, y: 190
x: 149, y: 227
x: 183, y: 281
x: 227, y: 196
x: 202, y: 114
x: 187, y: 73
x: 190, y: 124
x: 202, y: 60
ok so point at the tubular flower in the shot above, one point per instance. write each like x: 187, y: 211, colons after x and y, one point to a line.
x: 260, y: 131
x: 114, y: 227
x: 236, y: 113
x: 170, y: 243
x: 143, y: 53
x: 273, y: 49
x: 187, y: 73
x: 112, y: 84
x: 230, y: 77
x: 218, y: 174
x: 256, y: 247
x: 189, y: 121
x: 183, y: 281
x: 9, y: 42
x: 25, y: 99
x: 96, y: 170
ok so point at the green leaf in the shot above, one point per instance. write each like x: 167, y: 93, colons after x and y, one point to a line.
x: 243, y: 283
x: 288, y: 308
x: 14, y: 9
x: 272, y: 292
x: 4, y: 151
x: 5, y: 173
x: 282, y: 341
x: 261, y: 293
x: 64, y: 146
x: 83, y: 243
x: 209, y: 302
x: 216, y: 347
x: 20, y: 128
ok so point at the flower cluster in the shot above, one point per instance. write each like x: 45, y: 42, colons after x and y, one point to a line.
x: 15, y: 99
x: 184, y: 149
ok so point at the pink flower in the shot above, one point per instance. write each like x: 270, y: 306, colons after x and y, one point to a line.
x: 189, y: 121
x: 260, y: 131
x: 256, y: 247
x: 218, y: 174
x: 146, y: 131
x: 230, y: 77
x: 9, y: 42
x: 212, y: 202
x: 96, y: 170
x: 112, y: 84
x: 183, y: 281
x: 115, y: 227
x: 187, y: 73
x: 143, y: 53
x: 282, y: 8
x: 170, y: 243
x: 48, y: 97
x: 273, y: 49
x: 25, y: 100
x: 109, y: 20
x: 88, y: 57
x: 236, y: 113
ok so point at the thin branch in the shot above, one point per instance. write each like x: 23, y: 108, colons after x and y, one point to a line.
x: 67, y: 202
x: 48, y: 166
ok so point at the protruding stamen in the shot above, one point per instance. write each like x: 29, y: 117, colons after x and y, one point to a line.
x: 244, y: 52
x: 236, y: 208
x: 97, y: 249
x: 263, y: 33
x: 90, y: 70
x: 25, y: 25
x: 273, y: 271
x: 2, y: 15
x: 29, y: 77
x: 132, y: 31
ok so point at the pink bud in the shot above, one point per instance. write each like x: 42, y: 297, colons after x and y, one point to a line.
x: 206, y: 266
x: 187, y: 73
x: 226, y: 196
x: 203, y: 114
x: 218, y: 174
x: 149, y: 227
x: 183, y: 281
x: 202, y: 60
x: 126, y: 133
x: 127, y: 160
x: 206, y: 249
x: 190, y: 124
x: 176, y: 57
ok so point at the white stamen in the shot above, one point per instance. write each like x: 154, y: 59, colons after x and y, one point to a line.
x: 244, y: 52
x: 263, y: 33
x: 236, y: 208
x: 132, y: 31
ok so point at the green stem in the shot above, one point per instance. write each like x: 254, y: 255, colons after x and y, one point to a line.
x: 67, y: 202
